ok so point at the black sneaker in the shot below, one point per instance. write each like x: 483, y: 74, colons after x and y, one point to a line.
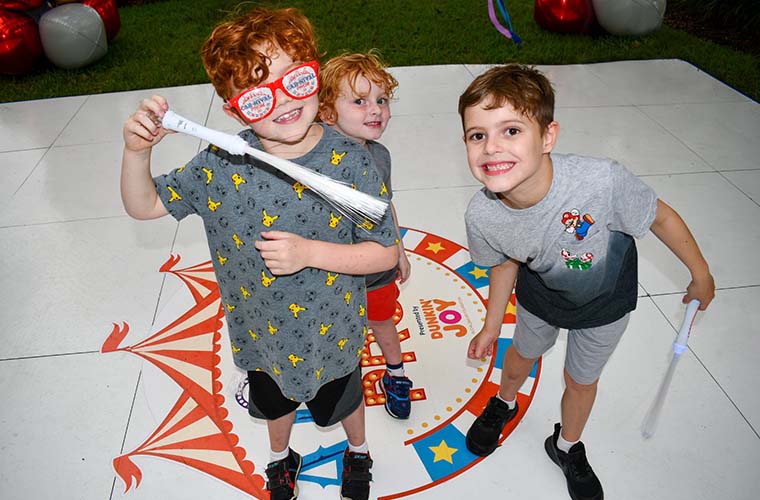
x: 282, y: 476
x: 356, y: 476
x: 582, y: 483
x: 483, y: 436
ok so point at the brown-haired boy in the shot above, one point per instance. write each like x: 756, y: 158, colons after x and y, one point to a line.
x: 290, y: 269
x: 559, y: 229
x: 354, y: 97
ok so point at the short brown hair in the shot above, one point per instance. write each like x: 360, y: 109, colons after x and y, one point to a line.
x: 232, y: 53
x: 350, y: 67
x: 524, y: 87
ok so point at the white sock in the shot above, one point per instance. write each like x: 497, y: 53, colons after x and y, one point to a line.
x: 511, y: 404
x: 395, y: 370
x: 275, y: 456
x: 362, y: 448
x: 564, y: 445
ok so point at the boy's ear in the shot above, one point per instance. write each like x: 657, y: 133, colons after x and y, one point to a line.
x: 232, y: 113
x: 550, y: 137
x: 327, y: 117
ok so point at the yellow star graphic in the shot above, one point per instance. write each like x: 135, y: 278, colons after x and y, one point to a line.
x: 443, y: 452
x: 479, y: 273
x: 511, y: 309
x: 435, y: 247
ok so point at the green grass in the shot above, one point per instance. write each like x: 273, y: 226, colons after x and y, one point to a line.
x: 159, y: 43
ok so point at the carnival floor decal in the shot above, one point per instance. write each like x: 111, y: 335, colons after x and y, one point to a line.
x: 208, y: 427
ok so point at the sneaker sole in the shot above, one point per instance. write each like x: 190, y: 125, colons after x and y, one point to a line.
x: 549, y: 447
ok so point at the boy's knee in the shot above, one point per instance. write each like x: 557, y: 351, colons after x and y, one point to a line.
x: 574, y: 385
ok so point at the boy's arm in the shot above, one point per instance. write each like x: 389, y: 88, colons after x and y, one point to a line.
x: 287, y: 253
x: 670, y: 228
x: 141, y: 133
x: 404, y: 267
x: 501, y: 282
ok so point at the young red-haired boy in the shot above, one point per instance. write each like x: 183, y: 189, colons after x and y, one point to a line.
x: 290, y: 267
x: 354, y: 97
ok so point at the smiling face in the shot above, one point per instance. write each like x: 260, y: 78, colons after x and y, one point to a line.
x: 362, y: 112
x: 289, y: 131
x: 508, y: 153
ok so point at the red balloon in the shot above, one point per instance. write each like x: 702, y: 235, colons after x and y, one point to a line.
x: 109, y: 13
x: 20, y: 45
x: 20, y: 5
x: 564, y: 16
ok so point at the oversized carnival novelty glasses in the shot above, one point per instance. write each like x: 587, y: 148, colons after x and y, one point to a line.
x: 256, y: 103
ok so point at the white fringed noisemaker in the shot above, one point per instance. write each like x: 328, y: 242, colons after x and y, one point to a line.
x: 354, y: 204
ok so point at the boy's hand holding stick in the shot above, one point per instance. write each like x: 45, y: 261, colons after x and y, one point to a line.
x: 354, y: 204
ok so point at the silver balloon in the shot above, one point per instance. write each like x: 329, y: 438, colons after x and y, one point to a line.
x: 73, y: 35
x: 629, y: 17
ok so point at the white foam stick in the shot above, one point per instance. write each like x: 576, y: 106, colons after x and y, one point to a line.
x: 353, y: 203
x: 679, y: 346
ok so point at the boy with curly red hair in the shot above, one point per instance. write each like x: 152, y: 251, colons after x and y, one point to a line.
x: 290, y: 270
x: 354, y: 97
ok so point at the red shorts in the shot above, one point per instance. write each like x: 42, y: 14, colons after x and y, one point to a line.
x: 381, y: 303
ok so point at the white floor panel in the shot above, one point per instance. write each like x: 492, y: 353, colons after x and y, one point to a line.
x: 696, y: 409
x: 438, y: 157
x: 102, y: 117
x: 724, y: 134
x: 576, y: 85
x: 725, y: 340
x: 665, y: 81
x: 439, y: 211
x: 631, y: 138
x: 63, y: 421
x: 35, y: 124
x: 722, y: 219
x: 65, y: 284
x: 16, y: 167
x: 429, y: 89
x: 748, y: 181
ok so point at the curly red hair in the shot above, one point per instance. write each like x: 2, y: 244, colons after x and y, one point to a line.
x: 349, y: 67
x: 237, y: 53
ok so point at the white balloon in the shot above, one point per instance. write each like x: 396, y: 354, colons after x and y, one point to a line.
x: 629, y: 17
x: 73, y: 35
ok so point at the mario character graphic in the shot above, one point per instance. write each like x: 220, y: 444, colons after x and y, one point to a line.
x: 574, y: 223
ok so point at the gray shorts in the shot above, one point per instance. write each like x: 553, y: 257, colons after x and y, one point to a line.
x: 588, y: 349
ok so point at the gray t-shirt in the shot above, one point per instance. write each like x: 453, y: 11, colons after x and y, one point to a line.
x: 303, y: 329
x: 382, y: 159
x: 578, y: 258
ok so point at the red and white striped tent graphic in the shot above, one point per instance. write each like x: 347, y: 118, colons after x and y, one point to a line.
x: 196, y: 431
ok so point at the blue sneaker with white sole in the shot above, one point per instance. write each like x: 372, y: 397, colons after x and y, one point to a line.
x: 397, y: 390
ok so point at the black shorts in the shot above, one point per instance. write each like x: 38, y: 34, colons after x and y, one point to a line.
x: 334, y: 401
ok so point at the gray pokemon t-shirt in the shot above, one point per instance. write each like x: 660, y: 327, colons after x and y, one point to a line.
x: 578, y: 258
x: 303, y: 329
x: 382, y: 158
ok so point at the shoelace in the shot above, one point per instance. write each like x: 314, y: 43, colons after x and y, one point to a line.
x: 494, y: 414
x: 579, y: 466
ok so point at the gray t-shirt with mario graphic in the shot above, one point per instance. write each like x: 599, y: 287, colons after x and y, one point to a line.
x: 578, y: 262
x: 303, y: 329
